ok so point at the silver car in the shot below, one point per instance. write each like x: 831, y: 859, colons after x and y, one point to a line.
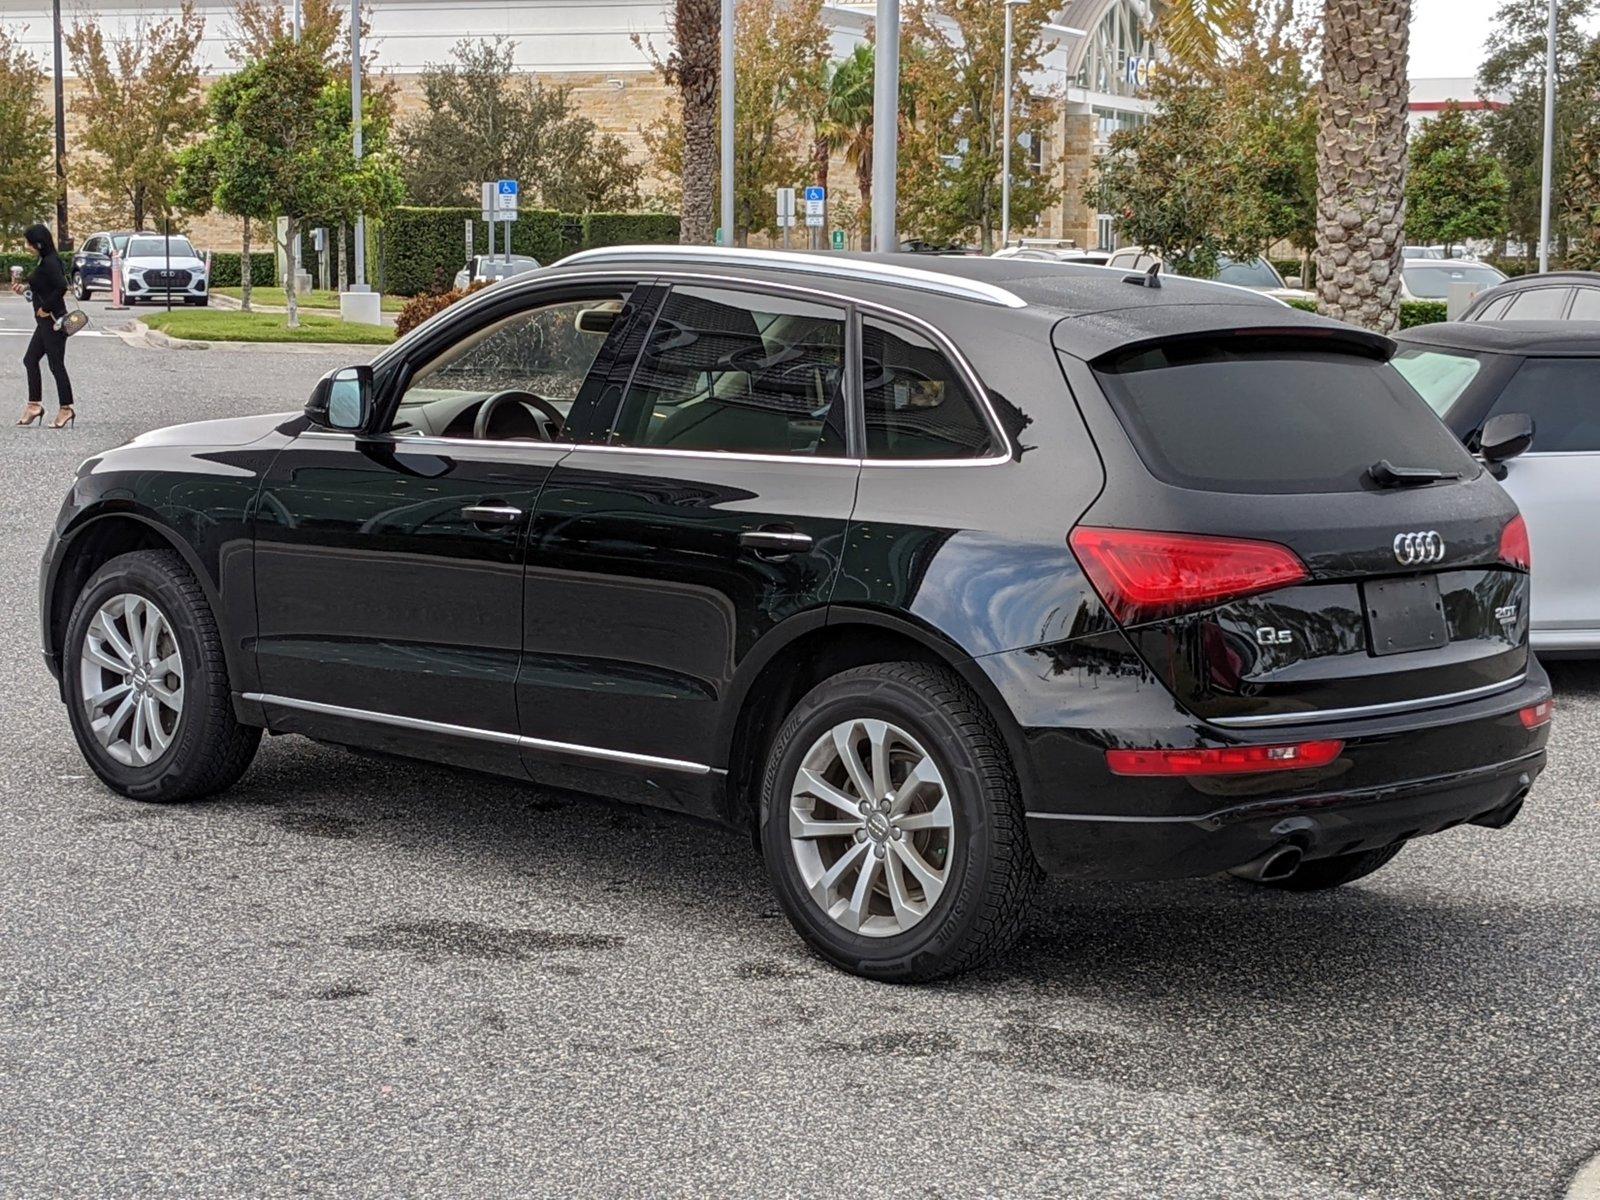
x: 1487, y: 378
x: 493, y: 268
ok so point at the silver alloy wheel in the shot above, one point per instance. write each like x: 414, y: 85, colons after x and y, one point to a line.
x: 131, y: 677
x: 871, y: 827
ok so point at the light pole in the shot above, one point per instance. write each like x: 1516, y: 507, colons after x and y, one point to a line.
x: 1549, y: 142
x: 726, y: 82
x: 62, y: 238
x: 885, y: 127
x: 1005, y: 153
x: 360, y: 284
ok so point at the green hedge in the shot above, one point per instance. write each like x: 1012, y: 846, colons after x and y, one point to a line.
x: 629, y: 229
x: 225, y: 268
x: 1291, y: 266
x: 11, y: 258
x: 1412, y: 312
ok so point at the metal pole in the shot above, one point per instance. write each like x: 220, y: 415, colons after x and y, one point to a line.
x: 1005, y: 152
x: 1549, y: 142
x: 297, y: 20
x: 62, y: 238
x: 360, y: 284
x: 726, y: 82
x: 885, y: 127
x: 166, y: 246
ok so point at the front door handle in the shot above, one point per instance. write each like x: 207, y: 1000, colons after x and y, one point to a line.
x: 492, y: 514
x: 776, y: 543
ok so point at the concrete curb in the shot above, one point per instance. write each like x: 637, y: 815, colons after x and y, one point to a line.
x: 138, y: 334
x: 1585, y: 1184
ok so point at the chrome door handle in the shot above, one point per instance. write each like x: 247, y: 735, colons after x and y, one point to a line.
x: 776, y: 541
x: 492, y: 514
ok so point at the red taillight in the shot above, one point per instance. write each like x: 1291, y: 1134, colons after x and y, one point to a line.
x: 1514, y: 548
x: 1143, y: 575
x: 1536, y: 715
x: 1224, y: 760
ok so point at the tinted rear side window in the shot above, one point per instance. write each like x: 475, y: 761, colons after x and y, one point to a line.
x: 1562, y: 395
x: 1244, y: 417
x: 916, y: 405
x: 1539, y: 304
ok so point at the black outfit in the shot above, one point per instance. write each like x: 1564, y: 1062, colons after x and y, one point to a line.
x: 49, y: 285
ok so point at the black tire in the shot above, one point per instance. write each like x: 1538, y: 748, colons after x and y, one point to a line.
x: 78, y: 290
x: 202, y: 302
x: 209, y: 748
x: 991, y: 873
x: 1318, y: 874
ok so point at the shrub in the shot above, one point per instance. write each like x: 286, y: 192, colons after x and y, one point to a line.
x: 225, y: 269
x: 1423, y: 312
x: 628, y: 229
x: 423, y: 248
x: 419, y: 308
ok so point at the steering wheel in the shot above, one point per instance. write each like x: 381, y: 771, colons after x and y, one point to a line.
x: 486, y: 413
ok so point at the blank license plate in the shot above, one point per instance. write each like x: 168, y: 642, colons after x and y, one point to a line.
x: 1404, y: 615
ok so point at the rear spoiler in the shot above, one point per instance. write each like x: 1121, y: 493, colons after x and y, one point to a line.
x: 1264, y: 338
x: 1096, y: 336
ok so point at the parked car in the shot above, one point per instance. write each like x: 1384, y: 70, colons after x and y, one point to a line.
x: 1048, y: 253
x: 155, y: 268
x: 1258, y: 275
x: 1554, y: 296
x: 928, y: 576
x: 1432, y: 279
x: 493, y: 268
x: 1546, y: 374
x: 91, y: 266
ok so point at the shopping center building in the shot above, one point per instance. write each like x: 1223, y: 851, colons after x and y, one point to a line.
x: 1096, y: 64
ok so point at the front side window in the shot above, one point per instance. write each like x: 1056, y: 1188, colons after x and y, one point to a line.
x: 1439, y: 376
x: 1562, y: 395
x: 1586, y: 305
x: 513, y: 380
x: 916, y: 404
x: 1432, y: 281
x: 1257, y: 273
x: 739, y: 372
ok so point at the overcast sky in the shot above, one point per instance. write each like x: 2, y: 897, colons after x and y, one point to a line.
x: 1447, y: 36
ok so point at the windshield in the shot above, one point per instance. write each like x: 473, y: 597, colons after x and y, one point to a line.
x: 1439, y: 376
x: 153, y: 247
x: 1253, y: 415
x: 1256, y: 274
x: 1432, y: 281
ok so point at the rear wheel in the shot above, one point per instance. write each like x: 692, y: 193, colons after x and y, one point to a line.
x: 147, y: 685
x: 892, y: 825
x: 1320, y: 873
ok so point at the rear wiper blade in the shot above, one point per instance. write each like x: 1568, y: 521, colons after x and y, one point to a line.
x: 1386, y: 475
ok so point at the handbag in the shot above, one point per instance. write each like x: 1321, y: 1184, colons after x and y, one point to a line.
x: 70, y: 324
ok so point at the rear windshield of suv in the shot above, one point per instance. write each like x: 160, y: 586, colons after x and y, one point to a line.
x: 1247, y: 417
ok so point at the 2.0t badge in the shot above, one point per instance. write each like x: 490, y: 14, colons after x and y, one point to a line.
x: 1418, y: 549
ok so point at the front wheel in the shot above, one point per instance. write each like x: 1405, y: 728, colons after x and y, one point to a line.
x: 79, y: 289
x: 1318, y: 874
x: 892, y: 825
x: 147, y: 685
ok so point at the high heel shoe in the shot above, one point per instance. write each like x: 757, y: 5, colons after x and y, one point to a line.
x: 64, y: 418
x: 27, y: 420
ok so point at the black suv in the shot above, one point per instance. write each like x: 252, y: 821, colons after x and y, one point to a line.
x: 929, y: 578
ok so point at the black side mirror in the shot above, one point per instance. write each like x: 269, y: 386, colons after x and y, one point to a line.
x: 1504, y: 437
x: 342, y: 400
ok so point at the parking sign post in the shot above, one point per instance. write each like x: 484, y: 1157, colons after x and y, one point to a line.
x: 507, y: 200
x: 816, y: 214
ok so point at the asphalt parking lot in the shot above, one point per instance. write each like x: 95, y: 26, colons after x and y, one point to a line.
x: 352, y: 977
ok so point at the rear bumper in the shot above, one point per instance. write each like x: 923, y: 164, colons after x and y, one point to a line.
x: 1323, y: 824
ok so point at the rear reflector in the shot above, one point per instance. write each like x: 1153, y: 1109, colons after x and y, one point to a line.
x: 1224, y: 760
x: 1538, y: 714
x: 1514, y: 548
x: 1142, y: 575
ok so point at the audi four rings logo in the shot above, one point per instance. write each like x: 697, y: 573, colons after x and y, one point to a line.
x: 1418, y: 549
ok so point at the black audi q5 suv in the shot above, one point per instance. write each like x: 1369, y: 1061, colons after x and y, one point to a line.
x: 932, y: 577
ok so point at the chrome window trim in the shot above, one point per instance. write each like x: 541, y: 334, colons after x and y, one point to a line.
x: 811, y: 264
x: 419, y: 725
x: 969, y: 374
x: 1369, y: 710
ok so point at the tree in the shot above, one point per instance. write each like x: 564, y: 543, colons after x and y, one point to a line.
x: 848, y: 125
x: 1515, y: 69
x: 1455, y: 191
x: 141, y: 101
x: 292, y: 147
x: 483, y: 119
x: 324, y: 30
x: 693, y: 69
x: 951, y: 142
x: 1227, y: 163
x: 27, y: 187
x: 1361, y: 160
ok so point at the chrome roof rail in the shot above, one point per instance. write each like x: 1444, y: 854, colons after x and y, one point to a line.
x: 811, y: 264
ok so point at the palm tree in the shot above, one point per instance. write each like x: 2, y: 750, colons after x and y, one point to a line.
x: 1361, y: 160
x: 848, y: 120
x: 693, y: 70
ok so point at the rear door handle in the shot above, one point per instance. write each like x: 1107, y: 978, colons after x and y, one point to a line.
x: 492, y: 514
x: 776, y: 542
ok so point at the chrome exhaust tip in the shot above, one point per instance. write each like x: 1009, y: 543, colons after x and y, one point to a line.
x: 1278, y: 863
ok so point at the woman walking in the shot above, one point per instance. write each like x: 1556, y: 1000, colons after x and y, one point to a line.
x: 49, y: 285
